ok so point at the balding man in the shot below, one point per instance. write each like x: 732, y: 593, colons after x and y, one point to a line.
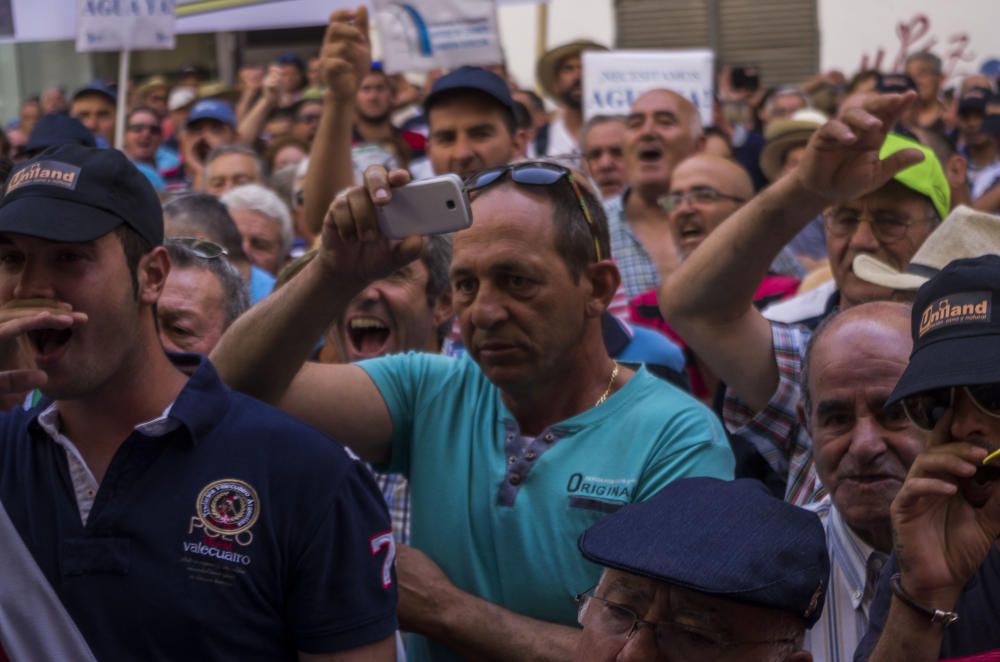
x: 863, y: 450
x: 602, y: 141
x: 661, y: 130
x: 705, y: 190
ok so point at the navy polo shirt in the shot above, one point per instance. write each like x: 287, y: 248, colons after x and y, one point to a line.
x: 242, y: 534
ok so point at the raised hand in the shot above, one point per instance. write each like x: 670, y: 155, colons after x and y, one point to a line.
x: 841, y: 161
x: 353, y: 244
x: 18, y: 318
x: 941, y: 537
x: 346, y: 56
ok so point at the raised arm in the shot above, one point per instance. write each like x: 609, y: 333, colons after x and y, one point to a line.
x: 345, y: 60
x: 263, y: 352
x: 709, y: 299
x: 253, y: 120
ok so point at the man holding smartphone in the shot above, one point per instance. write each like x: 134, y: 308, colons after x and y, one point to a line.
x: 937, y: 595
x: 511, y: 454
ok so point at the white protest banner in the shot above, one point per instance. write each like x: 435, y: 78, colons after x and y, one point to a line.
x: 123, y: 25
x: 426, y: 34
x: 613, y: 80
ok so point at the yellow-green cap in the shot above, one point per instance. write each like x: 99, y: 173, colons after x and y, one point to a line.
x: 926, y: 178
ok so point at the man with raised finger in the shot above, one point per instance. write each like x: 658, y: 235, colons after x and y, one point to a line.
x: 511, y: 451
x: 938, y: 594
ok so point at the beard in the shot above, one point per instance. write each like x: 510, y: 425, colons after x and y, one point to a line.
x: 381, y: 118
x: 573, y: 97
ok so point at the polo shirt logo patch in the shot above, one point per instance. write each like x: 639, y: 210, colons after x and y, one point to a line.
x: 228, y: 506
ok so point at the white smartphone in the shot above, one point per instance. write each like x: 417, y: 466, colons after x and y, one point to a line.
x: 429, y: 206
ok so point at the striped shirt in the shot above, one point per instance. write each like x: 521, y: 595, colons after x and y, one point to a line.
x: 775, y: 431
x: 854, y: 567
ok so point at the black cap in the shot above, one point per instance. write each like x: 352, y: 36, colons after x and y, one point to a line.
x: 74, y: 194
x: 96, y: 87
x: 475, y: 79
x: 56, y: 129
x: 991, y: 116
x: 974, y: 99
x: 956, y: 332
x: 894, y: 83
x: 774, y: 553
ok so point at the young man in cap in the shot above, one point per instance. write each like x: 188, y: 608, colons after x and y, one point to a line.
x: 95, y: 106
x: 560, y: 73
x: 938, y: 594
x: 703, y: 570
x: 154, y: 499
x: 880, y: 194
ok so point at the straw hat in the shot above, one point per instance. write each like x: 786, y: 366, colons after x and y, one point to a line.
x: 965, y: 233
x: 548, y: 64
x: 782, y: 135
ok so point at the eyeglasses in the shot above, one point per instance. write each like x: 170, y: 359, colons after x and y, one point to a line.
x: 927, y: 408
x: 885, y: 226
x: 203, y: 248
x: 537, y: 173
x: 675, y: 640
x: 138, y: 128
x: 701, y: 195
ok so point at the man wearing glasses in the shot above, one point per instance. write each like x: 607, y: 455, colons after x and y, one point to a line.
x: 511, y: 454
x: 705, y: 570
x: 882, y: 195
x: 938, y: 594
x: 143, y: 137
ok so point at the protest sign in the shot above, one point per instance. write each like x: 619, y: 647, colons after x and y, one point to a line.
x: 122, y: 25
x: 613, y: 80
x: 426, y: 34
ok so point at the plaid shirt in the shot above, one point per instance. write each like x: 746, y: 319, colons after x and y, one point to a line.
x: 396, y: 491
x: 775, y: 430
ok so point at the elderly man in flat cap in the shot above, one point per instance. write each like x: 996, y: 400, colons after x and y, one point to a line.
x: 704, y: 570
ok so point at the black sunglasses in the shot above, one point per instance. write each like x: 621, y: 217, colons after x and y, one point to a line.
x: 537, y: 173
x: 927, y: 408
x: 203, y: 248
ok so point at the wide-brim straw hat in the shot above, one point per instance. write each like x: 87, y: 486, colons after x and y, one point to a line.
x: 784, y: 134
x: 548, y: 64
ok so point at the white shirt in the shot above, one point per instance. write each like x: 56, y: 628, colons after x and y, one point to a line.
x: 849, y: 596
x: 801, y: 306
x: 560, y: 140
x: 85, y: 485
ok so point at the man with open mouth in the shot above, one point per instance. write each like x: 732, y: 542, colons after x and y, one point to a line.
x: 155, y: 501
x: 938, y: 593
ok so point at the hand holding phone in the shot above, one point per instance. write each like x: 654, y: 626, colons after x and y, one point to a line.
x: 437, y: 205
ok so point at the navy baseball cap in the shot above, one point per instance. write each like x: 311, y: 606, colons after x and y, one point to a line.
x: 974, y: 99
x: 291, y: 58
x: 96, y: 87
x: 956, y: 331
x: 731, y: 539
x: 212, y: 109
x: 475, y: 79
x: 56, y: 129
x: 73, y: 193
x: 888, y: 83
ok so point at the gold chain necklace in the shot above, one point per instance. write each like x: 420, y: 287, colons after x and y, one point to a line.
x: 607, y: 391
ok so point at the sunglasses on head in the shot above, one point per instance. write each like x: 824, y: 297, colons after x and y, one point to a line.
x: 537, y: 173
x: 208, y: 250
x: 927, y: 408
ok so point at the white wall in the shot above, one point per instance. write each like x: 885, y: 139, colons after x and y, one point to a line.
x: 568, y: 20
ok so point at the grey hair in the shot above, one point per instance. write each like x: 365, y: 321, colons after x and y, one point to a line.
x: 925, y: 56
x: 202, y: 215
x: 787, y: 91
x: 263, y: 201
x: 234, y: 148
x: 235, y: 293
x: 594, y: 121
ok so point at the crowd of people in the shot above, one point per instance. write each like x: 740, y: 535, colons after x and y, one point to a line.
x: 679, y: 392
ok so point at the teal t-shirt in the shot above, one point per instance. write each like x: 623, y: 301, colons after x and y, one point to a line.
x: 501, y: 513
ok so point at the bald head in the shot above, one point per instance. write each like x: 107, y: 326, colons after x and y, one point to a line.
x: 705, y: 190
x: 661, y: 130
x: 855, y: 333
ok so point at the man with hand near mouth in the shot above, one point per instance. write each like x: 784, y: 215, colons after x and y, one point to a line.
x: 156, y: 501
x: 938, y: 595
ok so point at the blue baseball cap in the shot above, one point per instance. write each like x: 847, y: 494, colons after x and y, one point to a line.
x: 731, y: 539
x: 56, y: 129
x: 73, y: 193
x: 96, y: 87
x: 474, y: 79
x: 212, y: 109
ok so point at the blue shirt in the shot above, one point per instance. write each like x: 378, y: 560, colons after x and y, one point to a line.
x: 237, y: 534
x: 501, y: 512
x: 261, y: 284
